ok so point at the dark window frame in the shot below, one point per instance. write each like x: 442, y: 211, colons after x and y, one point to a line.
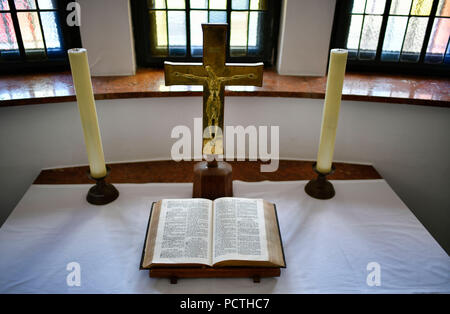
x: 70, y: 36
x: 141, y: 30
x: 341, y: 25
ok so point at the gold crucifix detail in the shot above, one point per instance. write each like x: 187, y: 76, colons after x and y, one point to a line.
x: 214, y: 75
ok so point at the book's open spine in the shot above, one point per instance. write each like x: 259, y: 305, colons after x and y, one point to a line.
x: 279, y: 234
x: 141, y: 266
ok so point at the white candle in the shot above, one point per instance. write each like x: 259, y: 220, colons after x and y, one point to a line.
x: 86, y: 104
x: 335, y: 82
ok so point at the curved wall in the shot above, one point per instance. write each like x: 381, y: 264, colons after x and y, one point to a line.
x: 407, y: 144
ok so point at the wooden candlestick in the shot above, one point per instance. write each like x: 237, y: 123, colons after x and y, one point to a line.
x: 320, y: 187
x: 102, y: 193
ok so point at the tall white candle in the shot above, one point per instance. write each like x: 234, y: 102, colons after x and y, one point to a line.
x: 86, y: 104
x: 335, y: 82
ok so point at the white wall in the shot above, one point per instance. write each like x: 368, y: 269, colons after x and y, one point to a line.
x: 106, y: 33
x: 407, y: 144
x: 304, y: 38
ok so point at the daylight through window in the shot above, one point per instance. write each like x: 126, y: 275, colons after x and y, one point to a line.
x: 405, y: 31
x: 174, y: 27
x: 30, y: 29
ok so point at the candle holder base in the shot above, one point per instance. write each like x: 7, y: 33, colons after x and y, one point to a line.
x: 320, y: 187
x: 102, y: 193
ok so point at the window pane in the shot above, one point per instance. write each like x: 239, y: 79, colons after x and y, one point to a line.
x: 217, y: 17
x: 175, y: 4
x: 158, y: 33
x: 421, y: 7
x: 4, y: 5
x: 354, y: 32
x: 369, y: 37
x: 156, y: 4
x: 253, y: 29
x: 218, y: 4
x: 353, y: 35
x: 25, y: 4
x: 258, y: 4
x: 198, y: 4
x: 375, y: 6
x: 8, y: 40
x: 197, y: 19
x: 400, y: 7
x: 177, y: 33
x: 238, y: 37
x: 51, y: 30
x: 239, y: 4
x: 438, y: 41
x: 443, y: 8
x: 255, y: 40
x: 393, y: 39
x: 161, y: 28
x: 414, y: 39
x: 358, y: 6
x: 47, y: 4
x: 31, y: 33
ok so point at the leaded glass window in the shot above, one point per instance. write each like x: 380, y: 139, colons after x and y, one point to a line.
x: 171, y: 29
x: 395, y: 33
x: 32, y: 31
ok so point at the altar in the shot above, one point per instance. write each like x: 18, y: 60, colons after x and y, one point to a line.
x: 329, y: 246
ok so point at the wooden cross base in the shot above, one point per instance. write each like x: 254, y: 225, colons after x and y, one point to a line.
x: 255, y: 273
x: 212, y: 179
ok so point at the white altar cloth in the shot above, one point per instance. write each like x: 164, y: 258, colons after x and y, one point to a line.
x: 328, y: 244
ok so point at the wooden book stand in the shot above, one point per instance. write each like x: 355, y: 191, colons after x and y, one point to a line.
x: 255, y: 273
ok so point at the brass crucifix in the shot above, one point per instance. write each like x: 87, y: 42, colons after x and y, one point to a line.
x: 214, y: 75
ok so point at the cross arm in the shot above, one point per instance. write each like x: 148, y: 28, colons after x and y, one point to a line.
x: 173, y: 73
x: 244, y: 69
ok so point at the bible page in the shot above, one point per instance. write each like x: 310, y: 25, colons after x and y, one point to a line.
x: 184, y: 232
x: 239, y: 230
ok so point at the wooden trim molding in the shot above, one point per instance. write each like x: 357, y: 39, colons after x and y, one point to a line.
x: 167, y: 171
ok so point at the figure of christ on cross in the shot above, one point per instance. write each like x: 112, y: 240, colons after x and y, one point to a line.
x: 213, y: 104
x: 214, y: 74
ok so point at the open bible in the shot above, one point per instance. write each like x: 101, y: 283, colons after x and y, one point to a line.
x: 226, y: 232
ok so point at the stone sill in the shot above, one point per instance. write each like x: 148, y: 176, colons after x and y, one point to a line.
x: 30, y: 89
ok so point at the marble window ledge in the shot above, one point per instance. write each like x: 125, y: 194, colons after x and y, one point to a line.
x: 30, y: 89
